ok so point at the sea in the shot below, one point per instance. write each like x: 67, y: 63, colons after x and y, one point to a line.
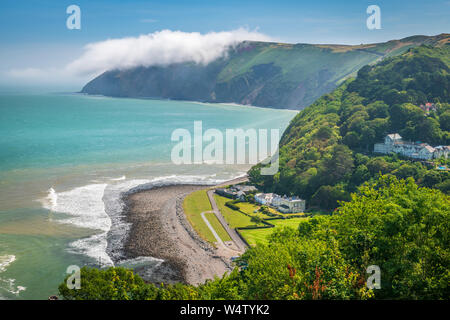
x: 67, y: 159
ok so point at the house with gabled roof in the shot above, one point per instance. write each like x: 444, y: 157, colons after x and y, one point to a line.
x: 393, y: 143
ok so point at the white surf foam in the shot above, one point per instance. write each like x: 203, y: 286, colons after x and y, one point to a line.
x: 5, y: 261
x: 119, y: 179
x: 85, y: 208
x: 84, y: 205
x: 144, y: 266
x: 9, y: 284
x: 50, y: 201
x: 114, y: 207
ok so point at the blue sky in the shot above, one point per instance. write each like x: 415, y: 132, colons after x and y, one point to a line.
x: 34, y: 34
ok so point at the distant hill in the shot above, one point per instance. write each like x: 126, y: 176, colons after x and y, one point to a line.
x: 326, y: 151
x: 255, y: 73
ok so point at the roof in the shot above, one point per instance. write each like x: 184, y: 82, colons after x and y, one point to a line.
x: 264, y: 195
x: 429, y: 148
x: 394, y: 136
x: 245, y: 188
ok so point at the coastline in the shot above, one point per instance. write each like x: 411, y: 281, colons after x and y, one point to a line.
x: 68, y: 207
x: 159, y: 229
x: 233, y: 104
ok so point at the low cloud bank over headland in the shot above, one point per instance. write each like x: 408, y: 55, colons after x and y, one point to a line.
x: 160, y: 48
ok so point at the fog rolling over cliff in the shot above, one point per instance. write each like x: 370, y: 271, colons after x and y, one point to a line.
x: 254, y: 73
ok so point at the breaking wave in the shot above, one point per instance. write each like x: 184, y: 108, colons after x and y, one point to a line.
x: 8, y: 284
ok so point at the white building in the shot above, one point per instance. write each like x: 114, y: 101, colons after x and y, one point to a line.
x: 394, y: 143
x: 441, y: 151
x: 264, y: 198
x: 291, y: 205
x: 283, y: 204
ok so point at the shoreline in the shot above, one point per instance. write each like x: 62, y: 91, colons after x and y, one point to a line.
x: 159, y: 229
x: 233, y: 104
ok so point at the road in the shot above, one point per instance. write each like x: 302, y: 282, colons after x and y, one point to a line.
x: 231, y: 232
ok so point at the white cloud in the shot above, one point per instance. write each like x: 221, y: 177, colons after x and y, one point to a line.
x: 159, y: 48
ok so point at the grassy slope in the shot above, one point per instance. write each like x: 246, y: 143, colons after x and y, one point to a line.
x: 234, y: 218
x: 300, y: 60
x: 196, y: 203
x: 254, y: 236
x: 249, y: 208
x: 217, y: 226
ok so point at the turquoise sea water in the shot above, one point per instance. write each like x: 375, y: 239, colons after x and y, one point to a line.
x: 65, y: 160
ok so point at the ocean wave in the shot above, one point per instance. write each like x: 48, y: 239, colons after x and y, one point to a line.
x: 8, y: 284
x: 119, y: 179
x: 49, y: 202
x: 5, y: 261
x: 114, y: 207
x: 143, y: 266
x: 85, y: 209
x: 84, y: 205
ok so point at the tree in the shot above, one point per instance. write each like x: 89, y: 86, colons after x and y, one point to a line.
x: 431, y: 178
x: 110, y: 284
x: 293, y: 267
x: 256, y: 219
x: 351, y: 139
x: 327, y: 197
x: 377, y: 165
x: 444, y: 120
x: 401, y: 114
x: 403, y: 229
x: 339, y: 165
x: 378, y: 109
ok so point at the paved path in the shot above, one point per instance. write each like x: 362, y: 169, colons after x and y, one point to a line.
x: 211, y: 228
x: 227, y: 251
x: 231, y: 232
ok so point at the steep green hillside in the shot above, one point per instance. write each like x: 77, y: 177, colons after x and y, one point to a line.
x: 256, y: 73
x: 325, y: 153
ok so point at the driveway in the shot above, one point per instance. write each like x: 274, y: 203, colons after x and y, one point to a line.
x: 231, y: 232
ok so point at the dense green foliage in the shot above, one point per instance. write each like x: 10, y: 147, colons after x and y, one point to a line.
x: 257, y: 73
x: 326, y: 152
x: 402, y: 228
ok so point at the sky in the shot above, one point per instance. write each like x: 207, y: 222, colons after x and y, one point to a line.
x: 37, y: 48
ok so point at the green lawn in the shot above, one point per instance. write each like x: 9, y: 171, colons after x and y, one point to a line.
x: 254, y: 236
x: 196, y: 203
x: 217, y: 226
x: 250, y: 208
x: 293, y: 222
x: 234, y: 218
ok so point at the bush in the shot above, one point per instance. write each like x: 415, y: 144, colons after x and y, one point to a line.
x: 231, y: 204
